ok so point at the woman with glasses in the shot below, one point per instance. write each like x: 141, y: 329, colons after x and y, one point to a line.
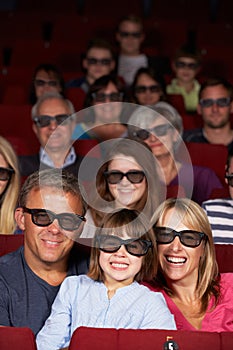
x: 161, y: 127
x: 9, y: 187
x: 103, y: 119
x: 127, y: 178
x: 197, y: 295
x: 148, y: 87
x: 110, y: 295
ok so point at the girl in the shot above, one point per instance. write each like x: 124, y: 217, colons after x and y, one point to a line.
x: 110, y: 295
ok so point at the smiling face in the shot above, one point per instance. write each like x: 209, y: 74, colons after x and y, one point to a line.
x: 179, y: 263
x: 185, y: 74
x: 120, y: 267
x: 126, y: 193
x: 46, y: 82
x: 47, y: 245
x: 130, y: 38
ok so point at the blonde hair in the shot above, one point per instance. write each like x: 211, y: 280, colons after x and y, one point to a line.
x: 10, y: 196
x: 192, y: 215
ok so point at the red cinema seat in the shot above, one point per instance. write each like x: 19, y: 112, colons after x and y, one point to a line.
x: 77, y: 96
x: 10, y: 243
x: 18, y: 338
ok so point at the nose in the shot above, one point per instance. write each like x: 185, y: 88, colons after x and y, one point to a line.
x: 54, y: 227
x: 215, y: 106
x: 176, y: 245
x: 125, y: 181
x: 121, y: 252
x: 53, y: 124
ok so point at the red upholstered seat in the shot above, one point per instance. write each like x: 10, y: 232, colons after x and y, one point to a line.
x: 18, y: 338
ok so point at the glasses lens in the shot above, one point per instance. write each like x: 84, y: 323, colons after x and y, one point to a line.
x: 135, y: 177
x: 163, y: 235
x: 5, y: 174
x: 140, y: 89
x: 41, y: 217
x: 161, y: 130
x: 69, y: 222
x: 142, y: 134
x: 52, y: 83
x: 223, y: 102
x: 42, y: 120
x: 113, y: 177
x: 191, y: 238
x: 62, y: 118
x: 115, y: 97
x: 99, y: 97
x: 138, y: 247
x: 108, y: 243
x: 205, y: 103
x: 40, y: 82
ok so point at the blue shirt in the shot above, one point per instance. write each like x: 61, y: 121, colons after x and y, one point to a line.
x: 82, y: 301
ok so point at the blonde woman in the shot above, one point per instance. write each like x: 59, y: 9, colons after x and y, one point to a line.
x: 9, y: 186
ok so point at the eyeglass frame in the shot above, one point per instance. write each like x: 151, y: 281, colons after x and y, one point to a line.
x: 36, y: 119
x: 125, y: 242
x: 51, y: 83
x: 54, y: 216
x: 182, y: 65
x: 215, y: 101
x: 9, y: 171
x: 152, y: 88
x: 148, y: 132
x: 102, y: 61
x: 135, y: 35
x: 107, y: 174
x: 120, y: 95
x: 202, y: 235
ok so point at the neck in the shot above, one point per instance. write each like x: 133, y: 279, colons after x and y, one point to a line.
x: 169, y: 167
x: 58, y: 157
x: 223, y: 135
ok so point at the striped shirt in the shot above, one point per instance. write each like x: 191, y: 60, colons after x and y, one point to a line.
x: 220, y: 215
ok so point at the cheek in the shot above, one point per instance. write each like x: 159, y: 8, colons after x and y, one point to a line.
x: 113, y: 190
x: 103, y: 258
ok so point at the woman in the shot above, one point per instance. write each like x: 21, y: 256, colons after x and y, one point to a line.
x: 46, y: 77
x: 102, y: 120
x: 127, y: 178
x: 148, y: 87
x: 161, y: 129
x: 9, y: 187
x: 198, y: 297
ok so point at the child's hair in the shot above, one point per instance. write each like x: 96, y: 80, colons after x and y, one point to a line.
x: 131, y: 18
x: 133, y: 224
x: 189, y: 52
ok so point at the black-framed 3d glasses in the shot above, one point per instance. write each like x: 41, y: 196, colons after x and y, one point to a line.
x: 111, y: 244
x: 141, y: 89
x: 6, y: 173
x: 42, y: 83
x: 134, y: 176
x: 102, y: 97
x: 220, y: 102
x: 44, y: 217
x: 182, y: 64
x: 189, y: 238
x: 101, y: 61
x: 45, y: 120
x: 135, y: 35
x: 160, y: 130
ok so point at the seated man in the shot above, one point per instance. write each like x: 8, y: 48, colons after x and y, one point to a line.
x: 51, y: 214
x: 220, y: 211
x: 53, y: 123
x: 215, y: 106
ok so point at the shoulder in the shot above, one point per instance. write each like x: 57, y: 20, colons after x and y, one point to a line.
x: 227, y: 280
x: 218, y: 203
x: 194, y: 135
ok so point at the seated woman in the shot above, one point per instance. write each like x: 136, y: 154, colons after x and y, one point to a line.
x: 127, y: 178
x: 102, y: 120
x: 161, y: 129
x: 148, y: 87
x: 9, y: 187
x: 197, y: 295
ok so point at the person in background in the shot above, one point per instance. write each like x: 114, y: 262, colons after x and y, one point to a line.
x: 127, y: 178
x: 99, y: 60
x: 161, y: 127
x: 186, y: 66
x: 148, y: 87
x: 46, y: 78
x: 215, y: 106
x: 130, y: 36
x: 9, y: 187
x: 51, y: 214
x: 197, y: 295
x: 110, y: 295
x: 53, y: 124
x: 220, y: 211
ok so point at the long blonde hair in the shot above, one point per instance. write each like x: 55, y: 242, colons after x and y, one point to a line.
x: 9, y: 197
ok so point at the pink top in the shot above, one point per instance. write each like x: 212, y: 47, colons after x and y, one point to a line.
x: 219, y: 319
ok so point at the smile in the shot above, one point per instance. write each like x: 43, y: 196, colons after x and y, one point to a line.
x: 175, y: 260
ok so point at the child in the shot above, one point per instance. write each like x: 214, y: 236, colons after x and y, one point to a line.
x: 110, y: 296
x: 186, y: 66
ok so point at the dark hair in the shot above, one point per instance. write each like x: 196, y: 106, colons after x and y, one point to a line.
x: 48, y: 68
x: 153, y: 75
x: 136, y: 226
x: 130, y: 18
x: 100, y: 43
x: 188, y: 51
x: 214, y: 81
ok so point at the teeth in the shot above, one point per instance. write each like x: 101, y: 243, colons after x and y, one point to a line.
x: 119, y: 265
x: 52, y: 243
x: 176, y: 260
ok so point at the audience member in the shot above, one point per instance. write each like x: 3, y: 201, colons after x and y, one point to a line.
x: 215, y: 106
x: 127, y: 179
x: 110, y: 295
x: 148, y: 87
x: 186, y: 66
x: 9, y: 187
x: 130, y: 36
x: 99, y: 60
x: 46, y: 78
x: 220, y: 211
x: 51, y: 214
x: 53, y: 124
x: 161, y: 128
x: 197, y: 295
x: 103, y: 120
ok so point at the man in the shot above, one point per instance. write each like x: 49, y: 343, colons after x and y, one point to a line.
x: 53, y: 123
x: 98, y: 61
x: 215, y: 105
x: 220, y: 211
x: 130, y: 36
x: 50, y: 213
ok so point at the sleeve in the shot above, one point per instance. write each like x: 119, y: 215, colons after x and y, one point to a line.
x: 56, y: 332
x: 205, y: 181
x: 4, y: 305
x: 157, y: 315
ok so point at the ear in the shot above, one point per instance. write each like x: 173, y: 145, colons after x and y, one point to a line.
x: 85, y: 65
x: 34, y: 128
x: 19, y: 218
x: 173, y: 66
